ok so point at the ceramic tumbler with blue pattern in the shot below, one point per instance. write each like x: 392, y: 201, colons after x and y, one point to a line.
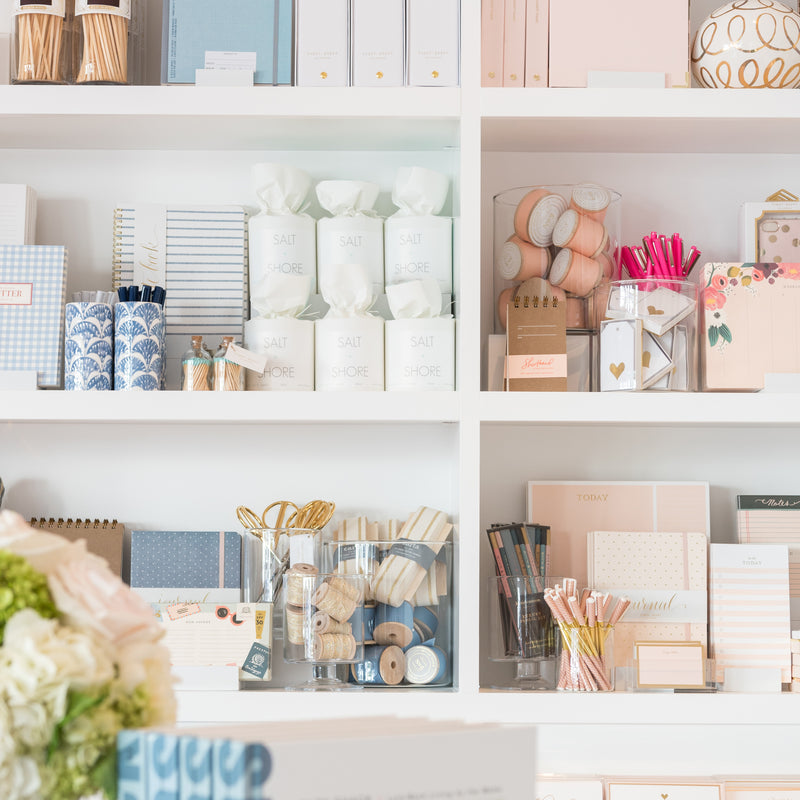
x: 88, y: 347
x: 139, y: 346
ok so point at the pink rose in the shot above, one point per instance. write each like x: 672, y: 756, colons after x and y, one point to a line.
x: 713, y: 299
x: 90, y: 595
x: 719, y: 282
x: 43, y: 551
x: 791, y: 271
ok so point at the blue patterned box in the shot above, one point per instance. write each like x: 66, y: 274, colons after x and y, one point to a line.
x: 186, y: 566
x: 33, y: 288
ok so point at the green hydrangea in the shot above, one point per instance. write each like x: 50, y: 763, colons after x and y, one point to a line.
x: 21, y: 586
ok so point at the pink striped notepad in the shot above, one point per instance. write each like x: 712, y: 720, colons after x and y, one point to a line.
x: 749, y: 608
x: 774, y: 519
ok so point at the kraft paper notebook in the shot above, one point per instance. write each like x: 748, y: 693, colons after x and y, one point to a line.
x: 199, y: 254
x: 749, y: 609
x: 573, y: 508
x: 537, y: 344
x: 774, y: 519
x: 663, y: 574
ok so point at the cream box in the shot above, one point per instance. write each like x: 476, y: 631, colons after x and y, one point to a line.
x: 762, y: 790
x: 492, y: 42
x: 432, y: 42
x: 573, y: 508
x: 288, y: 344
x: 377, y: 41
x: 586, y: 35
x: 322, y: 42
x: 751, y: 323
x: 5, y: 58
x: 664, y: 575
x: 769, y: 231
x: 514, y: 44
x: 650, y: 790
x: 537, y: 42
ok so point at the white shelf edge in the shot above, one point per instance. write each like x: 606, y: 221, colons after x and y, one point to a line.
x: 60, y: 407
x: 640, y: 408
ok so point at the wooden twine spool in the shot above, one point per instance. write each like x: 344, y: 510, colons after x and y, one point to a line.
x: 333, y: 602
x: 334, y: 647
x: 352, y: 588
x: 299, y: 585
x: 324, y: 623
x: 380, y: 666
x: 394, y: 625
x: 294, y: 616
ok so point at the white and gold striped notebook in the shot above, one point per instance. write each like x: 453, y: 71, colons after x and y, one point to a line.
x: 199, y: 254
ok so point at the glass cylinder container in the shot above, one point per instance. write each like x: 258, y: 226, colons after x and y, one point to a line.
x: 556, y: 239
x: 522, y: 631
x: 109, y: 41
x: 196, y: 367
x: 41, y: 42
x: 228, y: 376
x: 648, y: 339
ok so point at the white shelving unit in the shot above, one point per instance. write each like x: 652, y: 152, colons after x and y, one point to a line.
x: 682, y: 160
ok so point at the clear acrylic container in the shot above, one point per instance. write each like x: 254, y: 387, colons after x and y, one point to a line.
x: 410, y: 645
x: 196, y: 367
x: 42, y: 37
x: 587, y: 658
x: 663, y: 328
x: 522, y: 631
x: 563, y: 239
x: 227, y: 375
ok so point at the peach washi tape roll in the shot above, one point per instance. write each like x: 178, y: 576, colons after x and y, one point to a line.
x: 536, y: 216
x: 591, y: 200
x: 575, y: 273
x: 576, y: 312
x: 539, y: 287
x: 520, y: 260
x: 580, y: 233
x: 503, y: 299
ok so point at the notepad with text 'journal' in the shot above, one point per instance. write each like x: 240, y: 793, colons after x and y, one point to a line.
x: 199, y: 254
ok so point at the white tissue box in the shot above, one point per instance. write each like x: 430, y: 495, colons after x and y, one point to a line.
x: 419, y: 247
x: 377, y: 39
x: 432, y: 42
x: 322, y: 43
x: 420, y: 354
x: 288, y: 344
x: 348, y: 354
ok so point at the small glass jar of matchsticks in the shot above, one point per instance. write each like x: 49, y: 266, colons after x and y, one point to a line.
x: 109, y: 41
x: 42, y: 31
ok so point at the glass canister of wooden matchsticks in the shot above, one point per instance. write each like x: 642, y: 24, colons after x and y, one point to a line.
x: 108, y: 41
x: 42, y: 31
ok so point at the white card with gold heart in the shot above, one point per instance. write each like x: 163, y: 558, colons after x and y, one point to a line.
x: 620, y: 355
x: 663, y: 308
x: 652, y: 790
x: 656, y: 361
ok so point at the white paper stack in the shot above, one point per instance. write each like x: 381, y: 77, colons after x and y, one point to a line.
x: 17, y: 213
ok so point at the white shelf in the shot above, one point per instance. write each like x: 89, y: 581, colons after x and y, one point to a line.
x: 212, y: 118
x: 640, y: 120
x: 229, y: 408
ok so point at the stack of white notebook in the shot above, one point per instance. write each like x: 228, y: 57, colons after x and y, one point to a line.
x: 17, y: 213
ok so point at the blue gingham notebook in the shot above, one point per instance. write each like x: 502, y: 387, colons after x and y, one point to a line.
x: 33, y: 289
x: 201, y: 253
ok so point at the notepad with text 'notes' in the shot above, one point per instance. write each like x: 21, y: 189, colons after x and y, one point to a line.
x: 199, y: 254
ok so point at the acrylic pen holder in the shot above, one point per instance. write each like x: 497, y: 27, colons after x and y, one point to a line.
x: 522, y: 631
x: 139, y: 346
x: 587, y: 658
x: 410, y: 645
x: 88, y: 347
x: 648, y: 339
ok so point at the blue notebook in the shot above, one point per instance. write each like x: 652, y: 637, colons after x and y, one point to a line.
x: 193, y: 28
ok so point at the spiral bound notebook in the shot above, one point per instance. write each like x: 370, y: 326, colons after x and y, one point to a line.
x: 103, y: 537
x: 199, y: 253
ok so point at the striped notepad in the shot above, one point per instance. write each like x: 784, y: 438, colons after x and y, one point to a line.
x: 749, y: 608
x: 774, y: 519
x: 199, y: 253
x: 33, y: 288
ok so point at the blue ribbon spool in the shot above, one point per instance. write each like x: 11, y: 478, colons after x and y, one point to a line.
x: 381, y: 666
x: 425, y: 664
x: 426, y: 623
x: 363, y: 623
x: 394, y: 625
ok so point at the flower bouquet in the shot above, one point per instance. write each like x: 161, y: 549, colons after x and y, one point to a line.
x: 80, y: 660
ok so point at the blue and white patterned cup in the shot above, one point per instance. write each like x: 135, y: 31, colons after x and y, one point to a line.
x: 139, y: 346
x: 88, y: 347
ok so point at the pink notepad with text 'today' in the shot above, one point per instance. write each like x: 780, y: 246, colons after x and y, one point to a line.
x: 573, y: 508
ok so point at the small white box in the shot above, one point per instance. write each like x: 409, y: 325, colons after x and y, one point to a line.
x: 377, y: 38
x: 432, y: 42
x: 322, y: 42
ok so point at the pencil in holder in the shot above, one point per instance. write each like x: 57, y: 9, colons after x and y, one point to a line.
x: 139, y: 346
x: 41, y: 42
x: 88, y: 347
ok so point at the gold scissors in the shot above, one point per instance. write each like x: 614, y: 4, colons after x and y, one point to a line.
x: 248, y: 518
x: 314, y: 515
x: 281, y: 520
